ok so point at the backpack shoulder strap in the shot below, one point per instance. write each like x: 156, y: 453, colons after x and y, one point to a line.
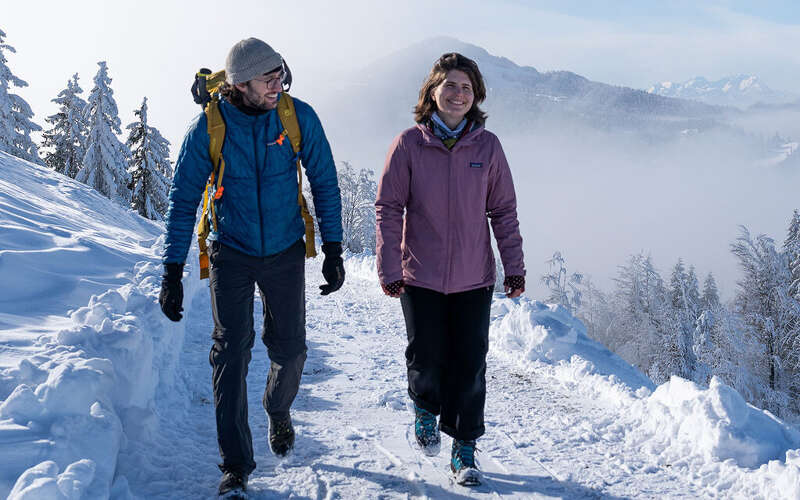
x: 288, y: 117
x: 216, y: 134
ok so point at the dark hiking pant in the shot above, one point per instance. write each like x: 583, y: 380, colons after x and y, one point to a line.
x: 448, y: 338
x: 281, y: 281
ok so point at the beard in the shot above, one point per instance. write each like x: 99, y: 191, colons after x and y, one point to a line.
x: 257, y: 100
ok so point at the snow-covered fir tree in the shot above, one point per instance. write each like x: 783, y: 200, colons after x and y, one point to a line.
x: 770, y: 315
x: 106, y: 159
x: 791, y: 248
x: 66, y: 139
x: 642, y: 318
x: 684, y: 299
x: 710, y: 298
x: 703, y: 347
x: 149, y: 162
x: 15, y: 113
x: 693, y: 292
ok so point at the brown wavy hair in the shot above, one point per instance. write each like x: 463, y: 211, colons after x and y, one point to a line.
x: 232, y: 94
x: 450, y: 61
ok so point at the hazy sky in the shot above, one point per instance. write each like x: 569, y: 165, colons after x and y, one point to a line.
x: 153, y: 47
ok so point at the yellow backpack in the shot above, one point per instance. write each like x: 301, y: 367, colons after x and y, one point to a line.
x: 206, y: 93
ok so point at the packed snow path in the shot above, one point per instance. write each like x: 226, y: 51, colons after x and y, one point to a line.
x: 353, y: 423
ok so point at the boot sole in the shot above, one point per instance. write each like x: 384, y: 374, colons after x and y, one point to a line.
x: 468, y: 477
x: 236, y: 494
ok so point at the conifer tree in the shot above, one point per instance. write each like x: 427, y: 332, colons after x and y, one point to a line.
x: 791, y: 249
x: 679, y: 343
x: 67, y: 137
x: 770, y: 315
x: 710, y: 298
x: 149, y: 162
x: 643, y: 321
x: 693, y: 293
x: 703, y: 347
x: 106, y: 159
x: 15, y: 114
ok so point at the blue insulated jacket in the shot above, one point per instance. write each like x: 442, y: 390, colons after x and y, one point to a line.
x: 258, y: 213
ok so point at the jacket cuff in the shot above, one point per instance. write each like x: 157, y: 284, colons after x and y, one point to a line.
x: 173, y: 271
x: 332, y: 249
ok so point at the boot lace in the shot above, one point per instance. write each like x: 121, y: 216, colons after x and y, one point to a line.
x: 425, y: 422
x: 463, y: 454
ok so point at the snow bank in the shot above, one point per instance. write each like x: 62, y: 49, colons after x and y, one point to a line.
x: 724, y: 444
x: 74, y: 396
x: 714, y: 424
x: 529, y: 333
x: 361, y: 266
x: 103, y: 373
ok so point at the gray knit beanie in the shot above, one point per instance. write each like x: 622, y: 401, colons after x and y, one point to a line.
x: 250, y: 58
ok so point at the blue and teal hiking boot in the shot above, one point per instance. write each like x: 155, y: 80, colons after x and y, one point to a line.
x: 426, y: 431
x: 463, y: 465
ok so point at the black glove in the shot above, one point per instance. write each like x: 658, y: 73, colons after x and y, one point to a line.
x: 332, y: 267
x: 171, y: 297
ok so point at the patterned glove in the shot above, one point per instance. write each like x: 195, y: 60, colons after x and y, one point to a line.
x: 514, y: 283
x: 393, y: 289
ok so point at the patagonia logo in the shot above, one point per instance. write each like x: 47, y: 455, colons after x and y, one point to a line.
x: 475, y: 164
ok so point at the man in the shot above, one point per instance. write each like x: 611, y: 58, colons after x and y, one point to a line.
x: 258, y: 241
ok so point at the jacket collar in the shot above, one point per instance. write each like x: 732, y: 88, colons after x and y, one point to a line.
x: 236, y: 115
x: 430, y: 139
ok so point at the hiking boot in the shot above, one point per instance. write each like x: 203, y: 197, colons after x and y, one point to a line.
x: 463, y: 465
x: 233, y: 486
x: 281, y: 436
x: 426, y: 431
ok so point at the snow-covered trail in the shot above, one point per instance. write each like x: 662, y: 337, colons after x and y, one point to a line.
x: 102, y: 397
x: 353, y: 423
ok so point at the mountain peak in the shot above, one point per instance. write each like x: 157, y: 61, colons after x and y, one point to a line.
x: 740, y: 90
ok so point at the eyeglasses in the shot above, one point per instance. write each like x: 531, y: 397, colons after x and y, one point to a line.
x: 273, y: 81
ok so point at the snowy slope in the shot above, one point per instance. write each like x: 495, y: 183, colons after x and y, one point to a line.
x: 116, y: 401
x: 59, y: 244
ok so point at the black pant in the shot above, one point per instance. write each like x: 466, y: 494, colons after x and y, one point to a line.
x: 448, y: 338
x: 281, y: 282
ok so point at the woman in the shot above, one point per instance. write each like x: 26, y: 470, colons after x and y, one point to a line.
x: 448, y: 174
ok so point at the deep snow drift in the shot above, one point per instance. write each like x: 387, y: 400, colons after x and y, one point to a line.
x: 93, y: 378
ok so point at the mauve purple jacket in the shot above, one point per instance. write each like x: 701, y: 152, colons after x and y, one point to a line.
x: 447, y: 195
